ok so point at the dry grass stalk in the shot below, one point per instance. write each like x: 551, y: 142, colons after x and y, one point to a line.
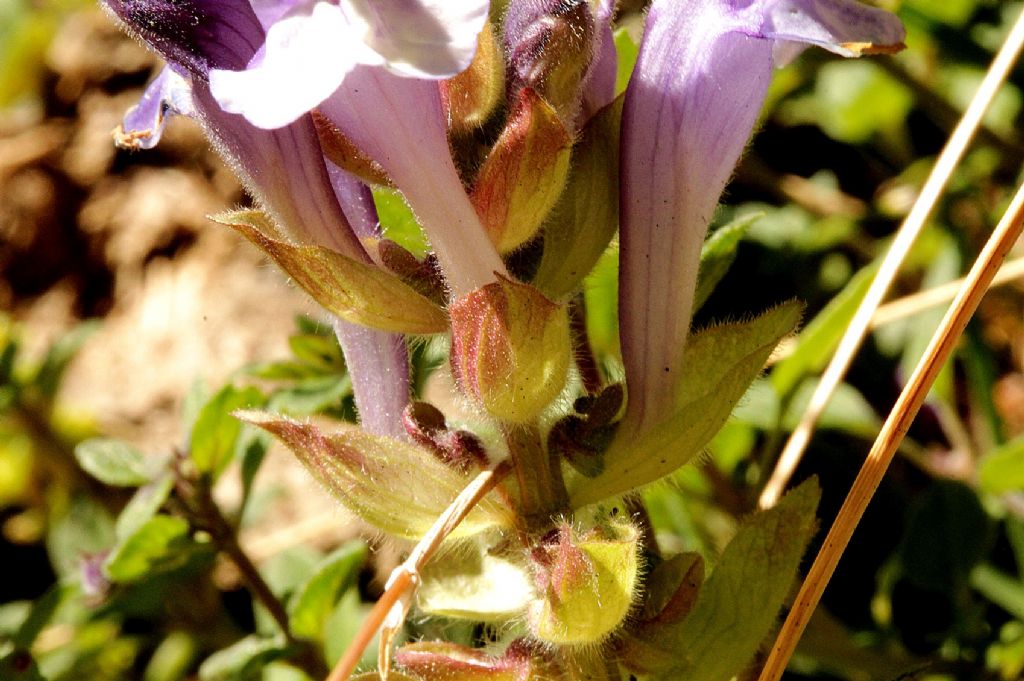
x: 908, y: 306
x: 390, y: 610
x: 939, y: 349
x: 908, y: 232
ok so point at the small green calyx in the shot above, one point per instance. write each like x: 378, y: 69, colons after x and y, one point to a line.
x: 582, y: 223
x: 588, y: 584
x: 510, y: 349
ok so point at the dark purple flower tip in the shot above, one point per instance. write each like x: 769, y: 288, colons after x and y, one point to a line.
x: 197, y: 35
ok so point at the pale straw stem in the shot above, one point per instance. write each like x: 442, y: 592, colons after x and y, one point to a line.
x: 908, y: 306
x: 908, y: 232
x: 404, y: 579
x: 895, y: 428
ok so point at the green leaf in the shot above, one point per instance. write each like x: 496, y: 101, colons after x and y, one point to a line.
x: 738, y: 605
x: 343, y: 625
x: 394, y: 485
x: 854, y: 100
x: 818, y: 340
x: 59, y: 356
x: 848, y: 410
x: 253, y: 446
x: 948, y: 533
x: 601, y: 294
x: 1002, y: 469
x: 719, y: 364
x: 242, y: 660
x: 311, y: 396
x: 1000, y: 588
x: 84, y: 529
x: 39, y: 616
x: 172, y: 658
x: 718, y: 254
x: 398, y: 222
x: 154, y: 545
x: 143, y: 505
x: 953, y: 12
x: 318, y: 351
x: 284, y: 572
x: 359, y: 292
x: 312, y: 604
x: 113, y: 462
x: 627, y: 51
x: 279, y: 671
x: 216, y: 431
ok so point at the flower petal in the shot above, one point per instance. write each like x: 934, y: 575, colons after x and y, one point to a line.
x: 169, y: 94
x: 286, y: 172
x: 269, y: 11
x: 307, y: 53
x: 422, y: 38
x: 689, y: 110
x: 599, y: 85
x: 378, y: 363
x: 400, y: 123
x: 195, y: 34
x: 846, y: 27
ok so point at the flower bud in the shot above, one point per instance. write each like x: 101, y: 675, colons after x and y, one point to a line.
x: 581, y: 438
x: 524, y: 174
x: 550, y: 44
x: 510, y: 349
x: 587, y: 584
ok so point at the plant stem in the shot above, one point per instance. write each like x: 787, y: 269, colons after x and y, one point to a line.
x: 223, y: 535
x: 909, y: 403
x: 542, y: 490
x: 203, y: 513
x: 590, y: 373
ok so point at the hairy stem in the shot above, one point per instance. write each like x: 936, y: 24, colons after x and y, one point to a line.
x: 586, y: 362
x: 542, y: 492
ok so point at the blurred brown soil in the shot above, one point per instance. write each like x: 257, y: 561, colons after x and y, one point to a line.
x: 89, y: 231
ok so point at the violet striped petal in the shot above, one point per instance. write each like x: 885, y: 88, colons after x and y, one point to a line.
x: 690, y: 107
x: 401, y: 124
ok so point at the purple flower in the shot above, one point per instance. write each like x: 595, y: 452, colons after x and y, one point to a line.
x: 311, y: 46
x: 372, y: 69
x: 699, y: 83
x: 284, y: 169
